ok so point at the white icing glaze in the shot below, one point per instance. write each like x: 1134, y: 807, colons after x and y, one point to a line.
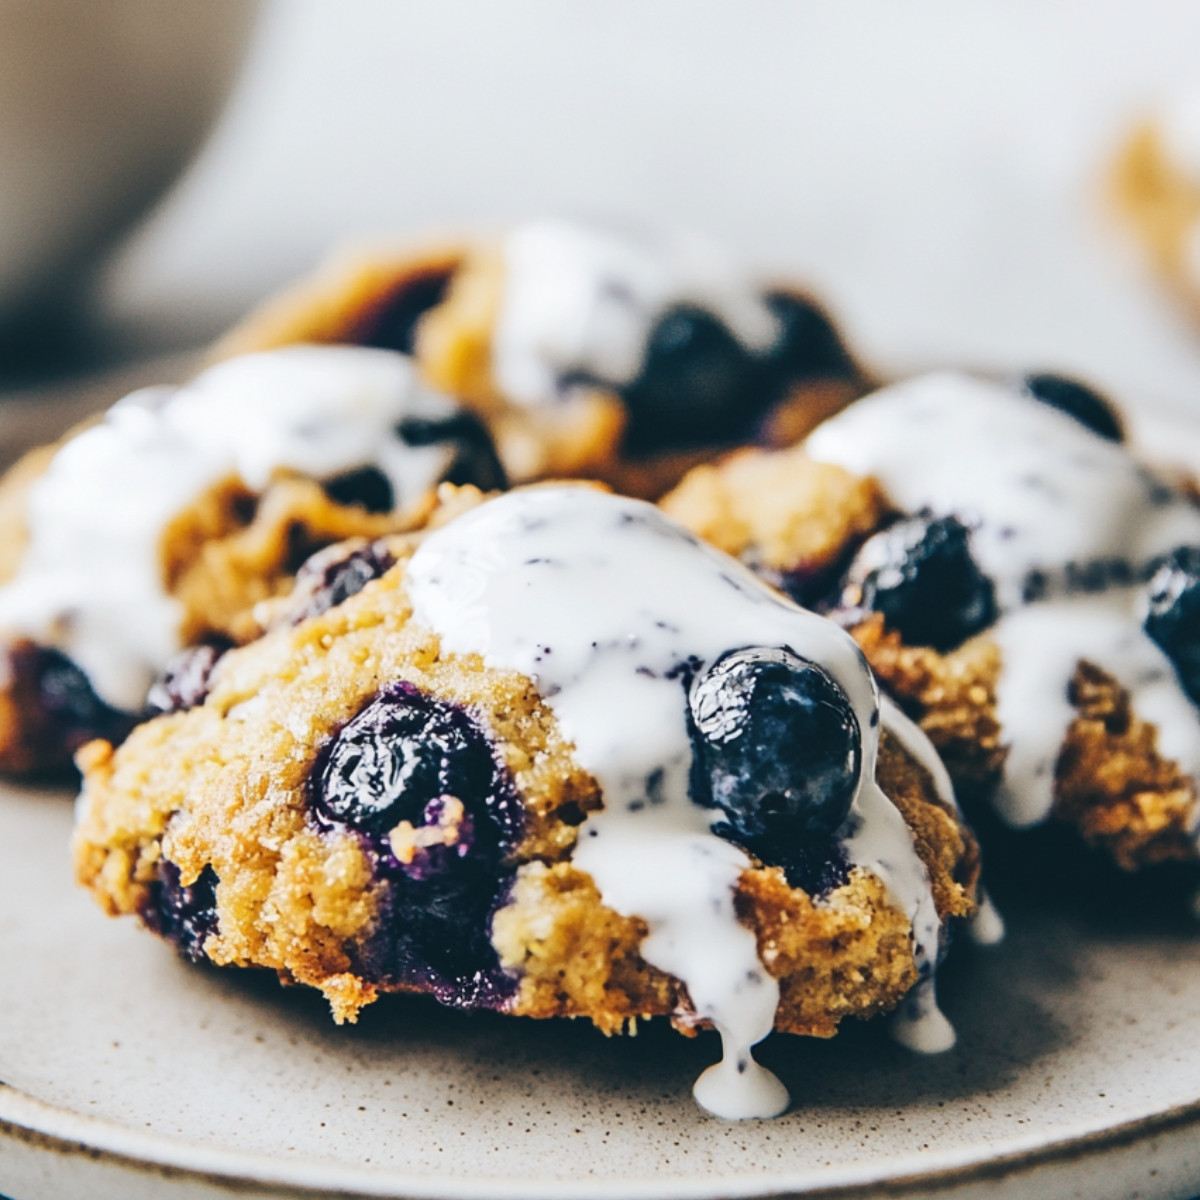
x: 600, y: 600
x: 986, y: 926
x: 920, y: 1024
x: 582, y: 299
x: 90, y: 582
x: 1041, y: 494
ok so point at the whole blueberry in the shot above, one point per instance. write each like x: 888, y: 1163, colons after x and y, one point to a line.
x: 809, y: 345
x: 698, y: 384
x: 402, y: 751
x: 1173, y: 616
x: 776, y: 747
x: 1077, y: 400
x: 919, y: 574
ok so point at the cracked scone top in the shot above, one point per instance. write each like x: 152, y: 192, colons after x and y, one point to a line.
x: 564, y: 760
x: 1019, y: 578
x: 164, y: 521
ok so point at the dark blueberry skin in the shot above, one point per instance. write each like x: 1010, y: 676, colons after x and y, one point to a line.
x: 920, y: 575
x: 417, y: 779
x: 185, y: 680
x: 1173, y: 618
x: 475, y: 460
x: 697, y: 384
x: 777, y: 747
x: 1076, y: 400
x: 183, y: 915
x: 393, y: 324
x: 366, y: 487
x: 57, y: 708
x: 809, y: 346
x: 700, y: 386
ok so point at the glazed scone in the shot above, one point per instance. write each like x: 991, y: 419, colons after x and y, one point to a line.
x: 561, y: 760
x: 162, y: 524
x: 591, y: 351
x: 1026, y: 588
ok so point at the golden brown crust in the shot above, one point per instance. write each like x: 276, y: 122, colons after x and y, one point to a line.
x: 225, y: 786
x: 342, y: 300
x: 780, y: 508
x: 1112, y: 783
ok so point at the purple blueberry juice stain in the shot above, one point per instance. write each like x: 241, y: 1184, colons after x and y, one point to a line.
x: 416, y: 778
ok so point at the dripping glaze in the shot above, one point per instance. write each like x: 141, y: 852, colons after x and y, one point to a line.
x: 1044, y: 499
x: 91, y: 579
x: 601, y: 600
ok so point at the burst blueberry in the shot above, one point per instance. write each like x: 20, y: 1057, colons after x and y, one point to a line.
x: 1077, y: 400
x: 333, y: 575
x: 919, y: 574
x: 776, y: 747
x: 185, y: 680
x: 1173, y: 616
x: 417, y: 778
x: 186, y: 916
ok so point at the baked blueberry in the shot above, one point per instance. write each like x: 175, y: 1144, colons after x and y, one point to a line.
x: 919, y: 574
x: 1077, y: 400
x: 336, y: 573
x: 808, y: 346
x: 475, y: 460
x: 367, y: 487
x: 776, y: 747
x: 183, y: 915
x: 1173, y: 616
x: 392, y: 325
x: 417, y: 777
x: 185, y: 680
x: 698, y: 384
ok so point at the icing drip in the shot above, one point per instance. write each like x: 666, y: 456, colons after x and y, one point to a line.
x: 1063, y: 522
x: 580, y: 300
x: 986, y: 927
x: 919, y: 1024
x: 91, y: 583
x: 604, y: 602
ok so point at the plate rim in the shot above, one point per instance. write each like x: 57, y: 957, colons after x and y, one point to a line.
x: 64, y: 1134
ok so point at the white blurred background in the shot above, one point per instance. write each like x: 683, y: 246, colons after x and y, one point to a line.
x: 935, y: 170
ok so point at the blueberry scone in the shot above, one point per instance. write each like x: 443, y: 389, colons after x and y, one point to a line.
x: 560, y: 759
x: 163, y: 523
x: 1023, y: 585
x: 591, y: 350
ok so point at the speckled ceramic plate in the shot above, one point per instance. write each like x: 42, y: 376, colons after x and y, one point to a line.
x: 127, y: 1073
x: 1077, y: 1071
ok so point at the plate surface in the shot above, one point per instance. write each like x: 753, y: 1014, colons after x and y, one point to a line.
x: 127, y: 1073
x: 1079, y: 1042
